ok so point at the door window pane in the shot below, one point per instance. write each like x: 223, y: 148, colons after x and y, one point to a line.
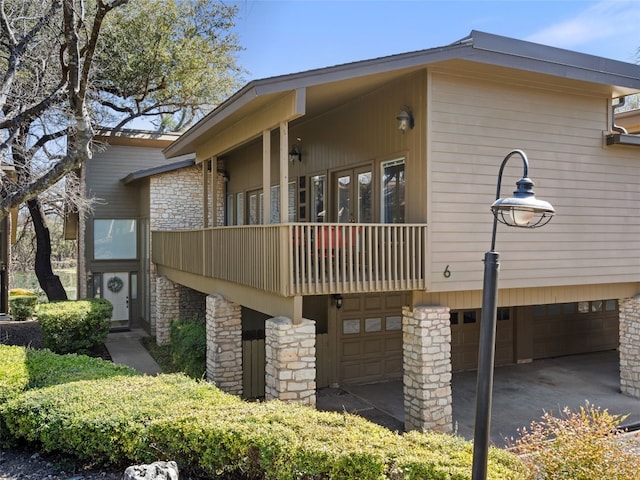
x: 365, y: 211
x: 393, y: 185
x: 114, y: 239
x: 253, y: 209
x: 344, y: 198
x: 318, y: 185
x: 275, y: 203
x: 229, y: 210
x: 240, y: 209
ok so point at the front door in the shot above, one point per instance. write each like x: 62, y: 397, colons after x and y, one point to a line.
x: 115, y: 288
x: 353, y: 198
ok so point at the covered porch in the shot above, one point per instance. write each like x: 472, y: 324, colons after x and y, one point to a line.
x: 295, y: 259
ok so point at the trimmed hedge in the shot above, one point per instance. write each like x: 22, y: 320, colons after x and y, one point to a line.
x: 122, y: 418
x: 22, y: 307
x: 23, y: 369
x: 189, y: 347
x: 75, y: 326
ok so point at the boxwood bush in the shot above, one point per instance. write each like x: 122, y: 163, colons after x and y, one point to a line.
x: 108, y: 414
x: 189, y: 347
x: 22, y: 307
x: 75, y: 326
x: 25, y: 368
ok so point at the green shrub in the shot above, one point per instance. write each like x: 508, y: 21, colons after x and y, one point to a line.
x: 582, y: 445
x: 22, y: 307
x: 189, y: 347
x: 25, y: 368
x: 211, y: 434
x: 75, y: 326
x: 14, y: 375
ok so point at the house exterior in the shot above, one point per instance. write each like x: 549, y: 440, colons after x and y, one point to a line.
x: 340, y: 216
x: 113, y: 256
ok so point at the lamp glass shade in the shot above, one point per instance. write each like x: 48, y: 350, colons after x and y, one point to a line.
x: 523, y: 209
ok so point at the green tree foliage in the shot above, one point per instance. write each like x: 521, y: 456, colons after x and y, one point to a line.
x: 68, y: 67
x: 171, y: 59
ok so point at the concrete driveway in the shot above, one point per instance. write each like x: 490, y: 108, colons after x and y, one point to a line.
x: 522, y: 393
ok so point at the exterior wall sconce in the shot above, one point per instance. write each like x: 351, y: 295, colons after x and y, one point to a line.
x: 295, y: 154
x: 338, y: 299
x: 405, y: 119
x: 523, y: 210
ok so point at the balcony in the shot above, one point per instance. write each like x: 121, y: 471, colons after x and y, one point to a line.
x: 301, y: 258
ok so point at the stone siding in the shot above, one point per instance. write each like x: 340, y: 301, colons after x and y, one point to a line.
x: 630, y: 346
x: 427, y: 369
x: 175, y: 203
x: 290, y: 361
x: 173, y: 302
x: 224, y: 344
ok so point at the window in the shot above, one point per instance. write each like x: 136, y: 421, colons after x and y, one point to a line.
x: 240, y: 208
x: 365, y: 213
x: 228, y: 219
x: 254, y: 210
x: 393, y: 184
x: 275, y: 203
x: 115, y: 239
x: 318, y: 195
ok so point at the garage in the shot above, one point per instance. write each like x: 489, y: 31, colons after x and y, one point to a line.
x: 465, y: 333
x: 574, y: 328
x: 370, y: 337
x: 543, y: 331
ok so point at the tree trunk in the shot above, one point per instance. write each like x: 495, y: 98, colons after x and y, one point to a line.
x: 49, y: 282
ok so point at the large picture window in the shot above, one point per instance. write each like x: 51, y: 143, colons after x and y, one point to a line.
x: 393, y: 182
x: 115, y: 239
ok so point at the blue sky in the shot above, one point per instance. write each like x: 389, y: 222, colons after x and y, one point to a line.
x: 289, y: 36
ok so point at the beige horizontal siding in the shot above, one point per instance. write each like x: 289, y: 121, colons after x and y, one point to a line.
x: 594, y: 238
x: 510, y: 297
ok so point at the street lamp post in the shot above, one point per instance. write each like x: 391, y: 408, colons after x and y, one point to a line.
x: 520, y: 210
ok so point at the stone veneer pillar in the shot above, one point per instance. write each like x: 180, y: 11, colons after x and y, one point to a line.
x: 167, y: 307
x: 224, y: 344
x: 629, y: 314
x: 175, y: 301
x: 290, y: 360
x: 427, y: 369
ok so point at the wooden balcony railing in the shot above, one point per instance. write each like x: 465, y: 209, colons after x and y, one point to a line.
x: 301, y: 258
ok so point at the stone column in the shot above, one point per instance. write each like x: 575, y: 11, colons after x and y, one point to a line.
x: 629, y: 313
x: 224, y: 344
x: 290, y: 360
x: 167, y: 307
x: 427, y: 369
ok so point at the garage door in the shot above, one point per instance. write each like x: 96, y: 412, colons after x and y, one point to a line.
x: 370, y: 337
x: 465, y: 333
x: 573, y: 328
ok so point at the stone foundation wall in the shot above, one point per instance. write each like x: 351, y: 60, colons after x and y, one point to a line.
x: 224, y: 344
x: 427, y: 369
x: 630, y: 346
x: 173, y: 302
x: 290, y: 361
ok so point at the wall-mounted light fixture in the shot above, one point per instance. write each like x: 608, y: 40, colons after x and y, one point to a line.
x: 405, y: 119
x: 338, y: 299
x: 295, y: 154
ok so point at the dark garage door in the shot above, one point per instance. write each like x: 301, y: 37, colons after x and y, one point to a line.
x: 465, y: 331
x: 573, y: 328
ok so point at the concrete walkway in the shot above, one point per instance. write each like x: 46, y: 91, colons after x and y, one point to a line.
x: 125, y: 347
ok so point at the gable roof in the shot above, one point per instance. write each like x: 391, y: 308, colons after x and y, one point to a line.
x: 351, y: 79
